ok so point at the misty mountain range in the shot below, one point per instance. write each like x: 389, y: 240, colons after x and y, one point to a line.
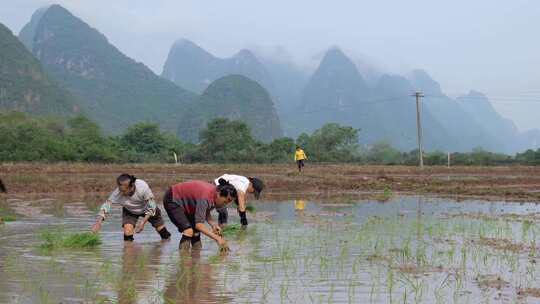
x: 89, y: 75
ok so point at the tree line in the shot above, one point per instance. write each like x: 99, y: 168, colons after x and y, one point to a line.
x: 78, y: 139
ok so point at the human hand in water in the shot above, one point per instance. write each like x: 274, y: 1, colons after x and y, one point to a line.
x: 140, y: 227
x: 217, y: 229
x: 223, y: 246
x: 97, y: 225
x: 140, y: 224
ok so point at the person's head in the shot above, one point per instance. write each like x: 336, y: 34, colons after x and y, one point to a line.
x: 297, y: 147
x: 226, y: 193
x: 256, y: 186
x: 126, y: 184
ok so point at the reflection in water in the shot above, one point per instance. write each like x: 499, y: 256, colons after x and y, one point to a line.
x: 193, y: 282
x: 415, y: 249
x: 139, y: 271
x: 299, y: 205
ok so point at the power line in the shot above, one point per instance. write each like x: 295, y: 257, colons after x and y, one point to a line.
x: 358, y: 104
x: 488, y: 99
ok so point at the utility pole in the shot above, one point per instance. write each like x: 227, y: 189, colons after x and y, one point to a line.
x: 418, y: 95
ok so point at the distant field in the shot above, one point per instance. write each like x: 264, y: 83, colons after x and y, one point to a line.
x: 318, y: 180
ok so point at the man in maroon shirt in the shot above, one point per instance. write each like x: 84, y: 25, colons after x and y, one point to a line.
x: 188, y: 205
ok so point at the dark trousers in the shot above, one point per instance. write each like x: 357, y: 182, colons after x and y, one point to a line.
x: 300, y: 164
x: 177, y: 213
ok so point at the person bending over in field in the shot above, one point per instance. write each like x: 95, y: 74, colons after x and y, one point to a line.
x: 243, y: 186
x: 300, y: 156
x: 137, y: 200
x: 188, y: 205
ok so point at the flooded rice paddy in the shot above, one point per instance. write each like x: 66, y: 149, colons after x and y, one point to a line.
x: 407, y: 250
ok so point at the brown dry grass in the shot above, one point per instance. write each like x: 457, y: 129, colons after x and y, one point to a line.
x: 491, y: 281
x: 515, y: 183
x: 502, y: 244
x: 529, y: 292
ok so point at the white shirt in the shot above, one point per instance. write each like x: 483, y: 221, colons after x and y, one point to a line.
x: 141, y: 202
x: 239, y: 182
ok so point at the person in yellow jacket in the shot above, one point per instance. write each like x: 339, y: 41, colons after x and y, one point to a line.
x: 299, y: 157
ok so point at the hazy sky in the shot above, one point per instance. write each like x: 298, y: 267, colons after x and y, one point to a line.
x: 490, y: 46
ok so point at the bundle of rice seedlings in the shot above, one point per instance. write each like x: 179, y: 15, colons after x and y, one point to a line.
x: 57, y: 238
x: 81, y: 240
x: 8, y: 218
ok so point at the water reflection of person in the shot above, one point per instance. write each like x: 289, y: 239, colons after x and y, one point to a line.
x: 139, y: 269
x: 193, y: 282
x: 2, y: 187
x: 299, y: 205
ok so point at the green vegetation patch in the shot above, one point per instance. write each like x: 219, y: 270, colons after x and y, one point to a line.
x: 250, y: 208
x: 7, y: 215
x: 8, y: 218
x: 231, y: 230
x: 57, y: 239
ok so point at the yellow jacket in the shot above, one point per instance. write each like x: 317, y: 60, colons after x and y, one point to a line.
x: 300, y: 155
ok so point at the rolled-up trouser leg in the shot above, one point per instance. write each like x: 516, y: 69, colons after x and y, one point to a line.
x: 178, y: 218
x: 164, y: 233
x: 196, y: 243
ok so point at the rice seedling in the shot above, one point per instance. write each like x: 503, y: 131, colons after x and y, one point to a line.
x: 8, y: 218
x: 81, y: 240
x: 6, y: 215
x: 383, y: 257
x: 231, y: 230
x: 57, y: 238
x: 250, y: 208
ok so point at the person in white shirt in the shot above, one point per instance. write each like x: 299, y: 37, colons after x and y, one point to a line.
x: 137, y: 200
x: 243, y: 186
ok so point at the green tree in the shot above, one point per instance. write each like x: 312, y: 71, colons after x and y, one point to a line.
x: 227, y: 141
x: 29, y: 139
x: 280, y: 150
x: 332, y: 142
x: 529, y: 157
x: 383, y: 153
x: 144, y: 138
x: 87, y: 143
x: 436, y: 158
x: 303, y: 140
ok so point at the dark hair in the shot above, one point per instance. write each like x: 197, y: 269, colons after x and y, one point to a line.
x: 226, y: 189
x: 258, y: 186
x: 124, y: 177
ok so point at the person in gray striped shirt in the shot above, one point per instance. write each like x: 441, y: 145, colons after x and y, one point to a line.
x: 137, y: 200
